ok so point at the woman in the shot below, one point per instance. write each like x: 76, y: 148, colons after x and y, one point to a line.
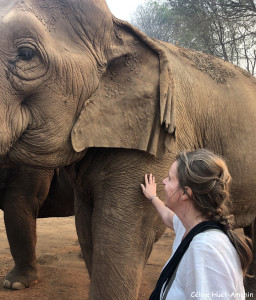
x: 209, y: 260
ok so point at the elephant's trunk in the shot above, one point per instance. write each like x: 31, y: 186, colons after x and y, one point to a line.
x: 4, y: 139
x: 13, y: 122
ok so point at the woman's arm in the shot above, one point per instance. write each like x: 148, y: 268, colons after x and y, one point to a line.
x: 149, y: 190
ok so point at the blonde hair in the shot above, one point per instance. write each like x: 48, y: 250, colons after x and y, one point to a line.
x: 207, y: 175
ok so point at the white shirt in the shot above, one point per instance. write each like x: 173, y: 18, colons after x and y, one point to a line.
x: 209, y: 269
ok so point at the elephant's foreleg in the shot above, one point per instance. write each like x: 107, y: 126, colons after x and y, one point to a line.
x: 25, y: 193
x: 250, y: 283
x: 122, y: 242
x: 123, y: 234
x: 123, y: 224
x: 21, y: 233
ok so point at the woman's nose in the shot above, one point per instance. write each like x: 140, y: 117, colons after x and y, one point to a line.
x: 164, y: 181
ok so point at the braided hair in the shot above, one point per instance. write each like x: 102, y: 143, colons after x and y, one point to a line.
x: 207, y: 175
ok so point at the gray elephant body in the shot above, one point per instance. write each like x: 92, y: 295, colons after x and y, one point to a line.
x: 25, y: 195
x: 90, y: 91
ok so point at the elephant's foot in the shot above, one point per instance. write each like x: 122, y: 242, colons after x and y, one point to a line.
x: 18, y: 279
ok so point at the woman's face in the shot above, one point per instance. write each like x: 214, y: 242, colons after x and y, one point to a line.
x: 172, y: 188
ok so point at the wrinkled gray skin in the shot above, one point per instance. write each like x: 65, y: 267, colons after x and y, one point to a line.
x: 79, y: 87
x: 25, y: 195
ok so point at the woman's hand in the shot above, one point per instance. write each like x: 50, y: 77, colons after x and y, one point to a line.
x: 149, y: 189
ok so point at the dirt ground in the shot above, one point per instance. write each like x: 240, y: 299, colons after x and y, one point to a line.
x: 63, y: 275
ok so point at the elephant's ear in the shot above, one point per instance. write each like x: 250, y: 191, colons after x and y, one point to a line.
x: 133, y: 106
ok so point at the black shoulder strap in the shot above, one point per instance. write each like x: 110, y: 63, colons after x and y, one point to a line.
x: 170, y: 268
x: 169, y: 284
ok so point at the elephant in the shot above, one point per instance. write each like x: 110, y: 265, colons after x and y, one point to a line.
x: 25, y: 195
x: 84, y: 90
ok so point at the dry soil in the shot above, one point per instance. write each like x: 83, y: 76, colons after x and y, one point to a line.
x: 63, y: 275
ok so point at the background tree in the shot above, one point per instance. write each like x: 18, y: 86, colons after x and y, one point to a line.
x: 155, y: 19
x: 224, y: 28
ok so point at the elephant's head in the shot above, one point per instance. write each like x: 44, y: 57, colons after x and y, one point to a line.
x: 73, y: 76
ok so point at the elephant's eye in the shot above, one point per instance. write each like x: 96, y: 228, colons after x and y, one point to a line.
x: 26, y: 53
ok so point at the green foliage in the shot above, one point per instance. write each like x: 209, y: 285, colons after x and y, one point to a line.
x: 224, y: 28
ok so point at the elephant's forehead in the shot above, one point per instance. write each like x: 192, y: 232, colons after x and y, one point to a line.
x: 45, y: 11
x: 26, y: 17
x: 57, y: 8
x: 56, y: 15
